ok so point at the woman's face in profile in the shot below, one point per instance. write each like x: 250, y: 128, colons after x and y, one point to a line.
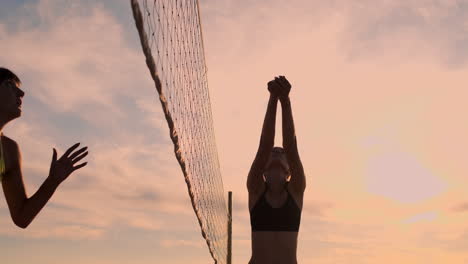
x: 10, y: 99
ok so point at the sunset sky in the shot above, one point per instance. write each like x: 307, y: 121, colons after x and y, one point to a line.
x: 379, y: 98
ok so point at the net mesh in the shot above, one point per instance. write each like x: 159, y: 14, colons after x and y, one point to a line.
x: 172, y: 41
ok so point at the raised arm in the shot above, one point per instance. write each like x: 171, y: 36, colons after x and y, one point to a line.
x: 267, y: 140
x: 23, y: 210
x: 298, y: 180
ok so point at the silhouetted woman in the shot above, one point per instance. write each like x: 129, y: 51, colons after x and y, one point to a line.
x: 276, y: 185
x: 24, y: 209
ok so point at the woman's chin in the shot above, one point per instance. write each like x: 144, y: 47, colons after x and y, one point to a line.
x: 15, y: 114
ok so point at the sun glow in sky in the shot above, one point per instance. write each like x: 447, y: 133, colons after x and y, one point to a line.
x: 379, y: 101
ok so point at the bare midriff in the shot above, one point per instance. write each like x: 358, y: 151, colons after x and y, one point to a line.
x: 274, y: 247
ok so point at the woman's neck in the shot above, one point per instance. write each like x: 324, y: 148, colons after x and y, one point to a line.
x: 2, y: 125
x: 3, y: 121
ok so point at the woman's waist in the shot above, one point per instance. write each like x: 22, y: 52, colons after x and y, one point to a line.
x: 268, y: 246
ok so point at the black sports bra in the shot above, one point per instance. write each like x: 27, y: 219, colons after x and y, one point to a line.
x: 263, y: 217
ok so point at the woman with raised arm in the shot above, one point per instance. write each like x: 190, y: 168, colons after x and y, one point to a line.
x: 276, y: 185
x: 24, y: 209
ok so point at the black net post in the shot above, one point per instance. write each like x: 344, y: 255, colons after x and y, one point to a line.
x: 229, y: 245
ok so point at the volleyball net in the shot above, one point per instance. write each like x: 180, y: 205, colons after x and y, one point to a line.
x: 172, y: 41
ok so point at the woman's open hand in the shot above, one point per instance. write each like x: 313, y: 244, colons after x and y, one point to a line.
x: 62, y: 168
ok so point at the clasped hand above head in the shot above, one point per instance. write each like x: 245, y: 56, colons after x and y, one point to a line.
x: 279, y: 87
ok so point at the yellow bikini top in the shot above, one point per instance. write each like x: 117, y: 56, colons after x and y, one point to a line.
x: 2, y: 160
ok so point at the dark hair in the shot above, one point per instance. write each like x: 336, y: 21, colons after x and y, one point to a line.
x: 277, y: 150
x: 7, y: 75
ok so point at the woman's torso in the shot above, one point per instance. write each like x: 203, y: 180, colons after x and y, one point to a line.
x: 275, y: 246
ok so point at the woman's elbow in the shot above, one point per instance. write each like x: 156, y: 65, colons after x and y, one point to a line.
x: 21, y: 223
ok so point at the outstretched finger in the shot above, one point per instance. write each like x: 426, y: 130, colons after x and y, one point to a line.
x: 54, y: 157
x: 70, y: 150
x: 77, y: 167
x: 79, y: 157
x: 81, y: 150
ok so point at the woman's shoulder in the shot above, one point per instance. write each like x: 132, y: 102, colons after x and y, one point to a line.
x: 10, y: 146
